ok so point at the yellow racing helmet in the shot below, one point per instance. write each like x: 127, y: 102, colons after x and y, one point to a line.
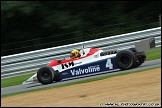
x: 74, y: 54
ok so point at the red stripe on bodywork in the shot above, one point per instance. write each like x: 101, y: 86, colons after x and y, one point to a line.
x: 55, y: 62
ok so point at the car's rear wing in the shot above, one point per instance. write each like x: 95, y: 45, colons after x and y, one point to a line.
x: 146, y: 44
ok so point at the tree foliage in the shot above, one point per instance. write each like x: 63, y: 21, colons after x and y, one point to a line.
x: 32, y: 25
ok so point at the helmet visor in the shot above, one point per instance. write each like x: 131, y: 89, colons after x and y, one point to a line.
x: 72, y: 55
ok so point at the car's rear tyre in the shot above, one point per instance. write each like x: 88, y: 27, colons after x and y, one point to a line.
x: 133, y: 49
x: 126, y: 59
x: 47, y: 75
x: 137, y: 64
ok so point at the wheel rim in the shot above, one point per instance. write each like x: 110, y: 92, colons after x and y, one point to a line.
x: 45, y: 75
x: 125, y: 59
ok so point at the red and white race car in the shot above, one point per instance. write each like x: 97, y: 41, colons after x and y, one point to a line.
x: 92, y: 60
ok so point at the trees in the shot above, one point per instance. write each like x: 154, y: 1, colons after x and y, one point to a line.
x: 31, y: 25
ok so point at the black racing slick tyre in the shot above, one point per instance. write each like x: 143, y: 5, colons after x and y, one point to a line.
x: 45, y: 75
x: 126, y: 59
x: 133, y: 49
x: 137, y: 64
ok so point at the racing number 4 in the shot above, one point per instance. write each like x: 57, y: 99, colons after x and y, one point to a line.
x: 109, y: 64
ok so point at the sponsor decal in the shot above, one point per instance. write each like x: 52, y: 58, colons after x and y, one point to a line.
x: 77, y: 63
x: 89, y: 69
x: 67, y: 65
x: 64, y: 73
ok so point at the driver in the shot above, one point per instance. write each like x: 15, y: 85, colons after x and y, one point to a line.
x: 74, y: 54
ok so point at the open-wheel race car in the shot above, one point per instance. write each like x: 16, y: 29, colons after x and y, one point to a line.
x: 92, y: 60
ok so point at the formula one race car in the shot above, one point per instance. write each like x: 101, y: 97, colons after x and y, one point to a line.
x: 92, y: 60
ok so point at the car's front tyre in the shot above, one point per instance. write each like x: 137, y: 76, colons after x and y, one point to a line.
x: 45, y: 75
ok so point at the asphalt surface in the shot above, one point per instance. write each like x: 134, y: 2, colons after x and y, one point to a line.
x: 20, y: 88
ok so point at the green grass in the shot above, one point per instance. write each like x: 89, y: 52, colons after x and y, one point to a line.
x: 77, y: 82
x: 14, y: 80
x: 151, y: 55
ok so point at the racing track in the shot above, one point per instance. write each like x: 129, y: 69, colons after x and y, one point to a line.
x: 20, y: 88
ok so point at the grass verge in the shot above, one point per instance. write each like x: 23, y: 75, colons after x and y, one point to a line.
x: 14, y: 80
x: 78, y: 82
x: 153, y: 54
